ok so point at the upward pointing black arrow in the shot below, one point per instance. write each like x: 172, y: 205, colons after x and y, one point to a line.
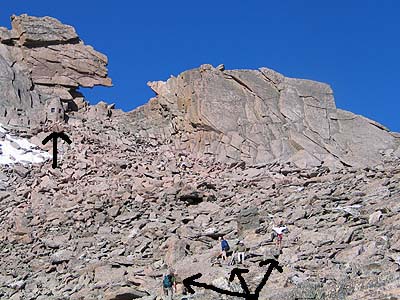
x: 54, y: 137
x: 238, y: 272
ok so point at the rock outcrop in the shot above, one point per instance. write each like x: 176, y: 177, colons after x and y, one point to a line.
x: 42, y: 59
x: 260, y: 116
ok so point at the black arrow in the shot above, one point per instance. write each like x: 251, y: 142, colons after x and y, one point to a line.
x: 272, y: 264
x: 54, y: 137
x: 190, y: 281
x: 238, y: 272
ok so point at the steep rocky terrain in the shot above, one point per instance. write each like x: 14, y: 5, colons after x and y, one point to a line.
x: 137, y: 193
x: 119, y: 209
x: 259, y: 116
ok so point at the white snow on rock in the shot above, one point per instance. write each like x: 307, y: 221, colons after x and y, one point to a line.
x: 16, y: 150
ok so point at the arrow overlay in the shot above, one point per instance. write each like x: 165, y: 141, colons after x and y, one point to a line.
x: 54, y: 136
x: 238, y: 272
x: 272, y: 264
x: 190, y: 281
x: 247, y: 295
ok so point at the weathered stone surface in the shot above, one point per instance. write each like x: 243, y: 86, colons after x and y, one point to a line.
x: 259, y: 116
x: 42, y: 59
x: 124, y: 293
x: 248, y: 219
x: 107, y: 274
x: 33, y: 31
x: 61, y: 256
x: 104, y: 221
x: 99, y: 111
x: 375, y: 217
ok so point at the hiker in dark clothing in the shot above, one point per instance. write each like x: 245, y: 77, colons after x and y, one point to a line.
x: 224, y: 247
x: 169, y: 284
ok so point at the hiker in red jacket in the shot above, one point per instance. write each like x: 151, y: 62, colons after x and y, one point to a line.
x: 279, y: 230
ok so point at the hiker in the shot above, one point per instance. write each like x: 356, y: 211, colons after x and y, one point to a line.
x: 169, y: 284
x: 182, y: 161
x: 279, y: 230
x: 240, y: 250
x: 224, y: 247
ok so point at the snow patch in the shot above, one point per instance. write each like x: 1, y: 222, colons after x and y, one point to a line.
x: 16, y: 150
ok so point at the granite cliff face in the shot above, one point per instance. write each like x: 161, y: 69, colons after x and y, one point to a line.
x: 259, y: 116
x: 215, y: 153
x: 43, y: 60
x: 256, y: 116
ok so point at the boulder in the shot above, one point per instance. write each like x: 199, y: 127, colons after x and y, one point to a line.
x: 44, y: 31
x: 61, y: 256
x: 190, y: 195
x: 248, y: 219
x: 124, y: 293
x: 375, y: 217
x: 107, y: 274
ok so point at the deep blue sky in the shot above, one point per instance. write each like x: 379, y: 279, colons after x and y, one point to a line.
x: 353, y: 45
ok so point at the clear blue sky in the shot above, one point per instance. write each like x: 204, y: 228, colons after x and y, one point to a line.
x: 353, y: 45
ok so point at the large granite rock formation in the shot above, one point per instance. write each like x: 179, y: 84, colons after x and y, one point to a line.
x: 42, y: 59
x: 259, y: 116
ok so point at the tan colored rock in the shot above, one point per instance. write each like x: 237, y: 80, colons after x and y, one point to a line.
x: 33, y: 31
x: 99, y: 111
x: 107, y: 274
x: 259, y: 116
x: 48, y: 61
x: 175, y: 250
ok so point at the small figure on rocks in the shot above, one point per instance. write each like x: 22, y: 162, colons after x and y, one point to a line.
x: 278, y: 232
x: 169, y: 285
x: 224, y: 247
x: 182, y: 161
x: 240, y: 250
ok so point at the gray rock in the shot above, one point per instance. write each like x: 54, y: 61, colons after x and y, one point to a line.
x: 56, y: 242
x: 375, y: 217
x: 107, y: 274
x: 33, y: 31
x: 21, y: 171
x: 125, y: 293
x: 61, y: 256
x: 248, y: 219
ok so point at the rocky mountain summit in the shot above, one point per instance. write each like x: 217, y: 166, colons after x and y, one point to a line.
x: 42, y: 61
x: 215, y: 153
x: 259, y: 116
